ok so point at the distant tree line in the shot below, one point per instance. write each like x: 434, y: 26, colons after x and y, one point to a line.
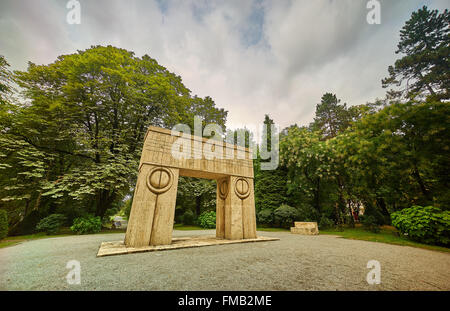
x: 383, y: 156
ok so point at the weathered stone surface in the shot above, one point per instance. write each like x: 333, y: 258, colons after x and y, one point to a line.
x: 306, y: 228
x: 119, y: 247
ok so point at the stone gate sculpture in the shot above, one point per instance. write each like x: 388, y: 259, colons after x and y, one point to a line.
x: 153, y: 209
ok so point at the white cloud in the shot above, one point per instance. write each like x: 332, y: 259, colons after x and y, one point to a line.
x: 252, y: 57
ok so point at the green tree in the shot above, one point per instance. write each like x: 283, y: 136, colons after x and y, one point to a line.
x: 6, y: 80
x: 331, y: 117
x: 270, y: 185
x: 309, y: 162
x: 425, y: 44
x: 78, y: 137
x: 397, y: 157
x: 197, y: 194
x: 3, y: 224
x: 205, y: 108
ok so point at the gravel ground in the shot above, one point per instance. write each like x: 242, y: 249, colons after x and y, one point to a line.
x: 295, y: 262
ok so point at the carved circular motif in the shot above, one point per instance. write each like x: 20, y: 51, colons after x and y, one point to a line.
x: 223, y: 189
x: 159, y: 180
x: 242, y: 188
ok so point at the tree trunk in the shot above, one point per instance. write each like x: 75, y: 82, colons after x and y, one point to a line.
x: 382, y: 205
x: 317, y: 195
x: 104, y: 202
x: 198, y: 205
x: 342, y: 202
x: 351, y: 211
x: 419, y: 179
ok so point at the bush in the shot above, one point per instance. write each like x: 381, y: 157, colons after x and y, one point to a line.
x: 51, y: 224
x: 377, y: 217
x: 107, y: 220
x: 70, y: 212
x: 307, y: 213
x: 112, y: 211
x: 349, y: 220
x: 265, y: 216
x: 127, y: 208
x: 3, y: 224
x: 371, y: 223
x: 28, y: 224
x: 325, y: 223
x: 207, y: 220
x: 424, y: 224
x: 188, y: 217
x: 85, y: 225
x: 285, y: 216
x: 179, y: 214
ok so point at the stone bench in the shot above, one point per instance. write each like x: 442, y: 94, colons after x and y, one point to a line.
x: 307, y: 228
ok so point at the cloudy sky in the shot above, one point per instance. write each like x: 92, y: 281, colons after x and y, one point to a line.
x: 252, y: 57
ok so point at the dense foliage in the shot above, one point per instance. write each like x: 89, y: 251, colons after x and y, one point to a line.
x: 87, y: 224
x: 424, y: 224
x: 376, y: 158
x: 207, y: 220
x: 285, y: 215
x: 51, y: 224
x: 195, y: 196
x: 3, y: 224
x: 371, y: 223
x: 270, y: 185
x: 325, y: 223
x: 265, y: 217
x: 74, y: 138
x: 70, y: 142
x: 188, y: 218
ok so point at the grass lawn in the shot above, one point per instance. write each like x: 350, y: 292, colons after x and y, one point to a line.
x: 272, y: 229
x: 188, y: 227
x: 387, y: 234
x: 13, y: 240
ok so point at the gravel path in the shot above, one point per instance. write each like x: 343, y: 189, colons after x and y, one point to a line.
x: 294, y: 263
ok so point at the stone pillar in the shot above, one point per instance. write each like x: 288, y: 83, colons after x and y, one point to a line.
x: 248, y: 207
x: 153, y: 210
x: 222, y: 194
x: 236, y: 208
